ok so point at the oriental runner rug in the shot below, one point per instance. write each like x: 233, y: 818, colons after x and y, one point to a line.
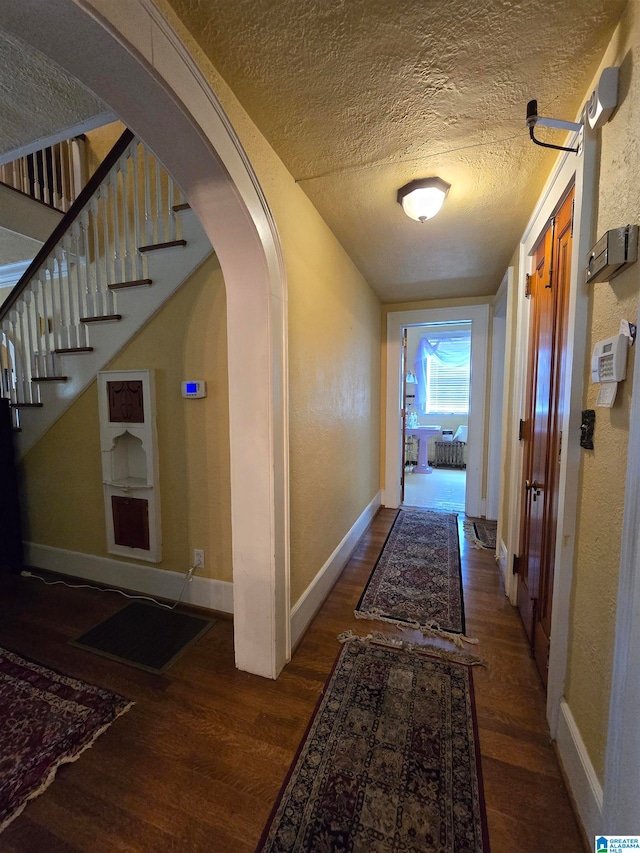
x: 47, y: 719
x: 481, y: 533
x: 417, y: 579
x: 390, y: 761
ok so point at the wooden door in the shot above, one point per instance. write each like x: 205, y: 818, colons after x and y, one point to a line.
x: 549, y: 285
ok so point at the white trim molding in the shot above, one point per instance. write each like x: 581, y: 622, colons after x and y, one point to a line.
x: 622, y: 777
x: 396, y: 321
x: 583, y: 781
x: 131, y: 577
x: 150, y: 80
x: 315, y: 594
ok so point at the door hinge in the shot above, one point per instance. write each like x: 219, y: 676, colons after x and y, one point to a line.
x: 527, y: 285
x: 515, y: 568
x: 521, y: 430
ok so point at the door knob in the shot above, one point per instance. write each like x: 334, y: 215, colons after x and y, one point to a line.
x: 533, y: 486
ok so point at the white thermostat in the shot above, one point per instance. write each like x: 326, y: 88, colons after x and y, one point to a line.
x: 194, y: 388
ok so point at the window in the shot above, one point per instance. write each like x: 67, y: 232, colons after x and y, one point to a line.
x: 443, y: 372
x: 447, y: 388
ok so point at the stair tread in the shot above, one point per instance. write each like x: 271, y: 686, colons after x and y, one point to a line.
x: 140, y: 282
x: 49, y: 378
x: 155, y: 246
x: 177, y: 208
x: 103, y: 318
x: 25, y: 405
x: 70, y: 350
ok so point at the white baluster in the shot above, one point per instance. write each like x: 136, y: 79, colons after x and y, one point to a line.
x: 82, y: 267
x: 94, y: 288
x: 69, y: 249
x: 160, y: 224
x: 129, y: 246
x: 13, y: 322
x: 115, y: 207
x: 24, y: 379
x: 170, y: 213
x: 139, y: 260
x: 44, y: 301
x: 147, y: 200
x: 108, y: 256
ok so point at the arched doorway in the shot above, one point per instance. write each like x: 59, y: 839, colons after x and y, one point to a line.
x: 139, y: 67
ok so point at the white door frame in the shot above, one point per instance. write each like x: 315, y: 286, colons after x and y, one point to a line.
x: 580, y: 170
x: 496, y: 400
x: 129, y: 55
x: 621, y: 802
x: 396, y: 321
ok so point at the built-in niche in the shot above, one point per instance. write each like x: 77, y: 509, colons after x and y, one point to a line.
x: 128, y: 445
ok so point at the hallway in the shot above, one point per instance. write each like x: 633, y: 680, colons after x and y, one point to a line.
x: 198, y: 762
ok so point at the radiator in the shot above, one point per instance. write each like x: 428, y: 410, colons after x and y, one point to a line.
x: 449, y: 454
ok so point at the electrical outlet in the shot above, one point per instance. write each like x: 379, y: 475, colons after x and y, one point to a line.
x: 198, y: 558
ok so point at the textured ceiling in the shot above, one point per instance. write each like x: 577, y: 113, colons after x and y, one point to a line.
x: 37, y: 99
x: 358, y: 97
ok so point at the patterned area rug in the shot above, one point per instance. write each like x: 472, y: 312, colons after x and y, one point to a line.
x: 47, y: 719
x: 390, y: 762
x: 481, y: 533
x: 417, y: 578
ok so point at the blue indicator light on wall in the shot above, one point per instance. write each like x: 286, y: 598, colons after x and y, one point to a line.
x: 192, y: 387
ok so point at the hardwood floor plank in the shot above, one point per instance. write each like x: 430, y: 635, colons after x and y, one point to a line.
x: 198, y: 762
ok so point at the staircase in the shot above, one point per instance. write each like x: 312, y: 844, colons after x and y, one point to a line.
x: 125, y: 245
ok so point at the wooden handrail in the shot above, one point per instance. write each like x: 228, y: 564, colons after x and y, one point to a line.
x: 67, y: 220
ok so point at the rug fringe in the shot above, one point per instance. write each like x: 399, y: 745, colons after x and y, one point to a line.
x: 67, y: 759
x: 432, y: 629
x: 470, y: 536
x: 380, y: 638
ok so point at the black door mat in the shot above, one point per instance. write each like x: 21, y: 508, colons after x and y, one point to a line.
x: 145, y: 636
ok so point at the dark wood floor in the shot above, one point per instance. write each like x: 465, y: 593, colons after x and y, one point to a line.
x: 197, y: 763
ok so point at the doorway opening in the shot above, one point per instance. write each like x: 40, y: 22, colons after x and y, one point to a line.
x: 435, y: 407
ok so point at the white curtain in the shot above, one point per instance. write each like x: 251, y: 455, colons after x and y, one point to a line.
x: 450, y: 349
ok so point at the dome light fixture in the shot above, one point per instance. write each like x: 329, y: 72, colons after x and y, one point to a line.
x: 423, y: 198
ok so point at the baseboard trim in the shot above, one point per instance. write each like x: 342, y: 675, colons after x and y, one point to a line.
x: 584, y: 786
x: 200, y: 592
x: 501, y: 559
x: 312, y: 598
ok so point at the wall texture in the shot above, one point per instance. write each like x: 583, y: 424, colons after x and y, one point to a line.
x: 62, y: 475
x: 334, y: 374
x: 334, y: 360
x: 602, y: 482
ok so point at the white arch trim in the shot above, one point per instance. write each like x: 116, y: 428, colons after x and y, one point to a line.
x: 131, y: 58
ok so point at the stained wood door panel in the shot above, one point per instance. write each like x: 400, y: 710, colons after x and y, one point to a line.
x: 542, y: 435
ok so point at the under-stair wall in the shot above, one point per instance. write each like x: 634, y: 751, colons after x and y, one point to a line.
x: 127, y: 243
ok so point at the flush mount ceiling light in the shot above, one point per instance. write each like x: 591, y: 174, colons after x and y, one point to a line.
x: 422, y: 199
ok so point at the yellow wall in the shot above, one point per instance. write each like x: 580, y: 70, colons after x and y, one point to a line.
x: 334, y: 364
x: 334, y: 360
x: 99, y: 142
x: 62, y: 474
x: 602, y: 479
